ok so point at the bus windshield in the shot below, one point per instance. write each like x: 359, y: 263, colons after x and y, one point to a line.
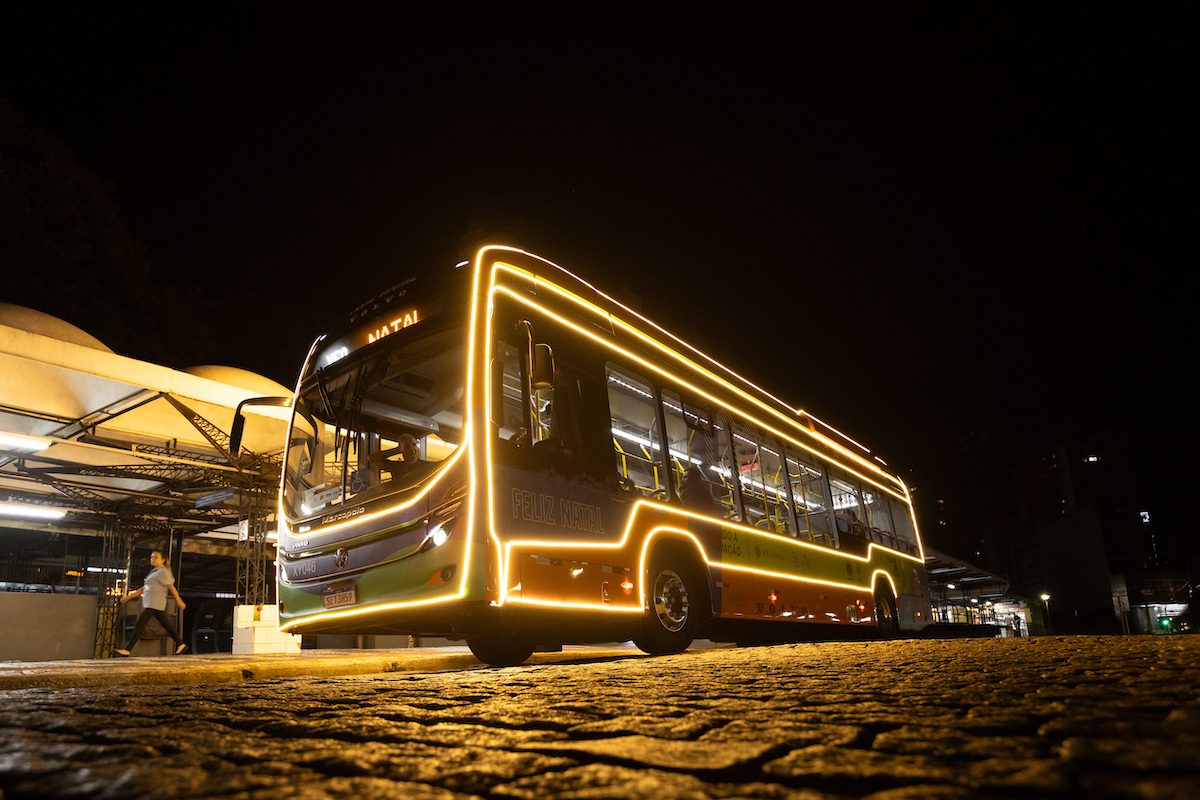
x: 377, y: 425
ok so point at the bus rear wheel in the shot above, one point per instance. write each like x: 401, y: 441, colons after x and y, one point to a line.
x: 500, y: 651
x: 885, y: 614
x: 673, y: 606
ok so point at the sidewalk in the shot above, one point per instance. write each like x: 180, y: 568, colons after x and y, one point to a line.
x: 227, y: 668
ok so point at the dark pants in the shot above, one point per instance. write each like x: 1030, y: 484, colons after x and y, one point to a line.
x: 163, y: 620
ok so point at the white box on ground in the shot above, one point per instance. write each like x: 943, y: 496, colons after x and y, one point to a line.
x: 256, y: 630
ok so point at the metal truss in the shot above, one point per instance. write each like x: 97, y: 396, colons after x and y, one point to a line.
x: 114, y: 582
x: 180, y: 476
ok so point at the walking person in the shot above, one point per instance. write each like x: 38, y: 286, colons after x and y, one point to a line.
x: 154, y: 603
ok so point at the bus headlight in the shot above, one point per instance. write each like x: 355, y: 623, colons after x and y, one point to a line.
x: 437, y: 535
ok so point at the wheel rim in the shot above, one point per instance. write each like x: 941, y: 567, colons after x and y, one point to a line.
x: 670, y: 600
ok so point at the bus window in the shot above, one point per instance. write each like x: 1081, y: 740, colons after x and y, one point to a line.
x: 811, y: 494
x: 376, y: 426
x: 775, y: 480
x: 635, y: 435
x: 847, y: 512
x: 902, y: 520
x: 541, y: 413
x: 763, y: 483
x: 508, y: 394
x: 878, y: 516
x: 698, y: 457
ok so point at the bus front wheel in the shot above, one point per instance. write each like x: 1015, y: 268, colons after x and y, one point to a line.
x: 500, y: 652
x: 885, y: 614
x: 673, y: 606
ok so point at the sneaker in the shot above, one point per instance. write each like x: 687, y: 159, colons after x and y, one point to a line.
x: 181, y: 649
x: 123, y: 653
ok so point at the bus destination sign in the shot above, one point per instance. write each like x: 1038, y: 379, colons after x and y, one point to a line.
x: 397, y: 319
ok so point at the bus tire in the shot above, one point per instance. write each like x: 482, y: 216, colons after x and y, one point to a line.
x: 500, y: 651
x: 673, y: 604
x: 885, y: 613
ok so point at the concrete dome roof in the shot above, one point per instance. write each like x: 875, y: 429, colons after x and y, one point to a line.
x: 30, y: 321
x: 242, y: 378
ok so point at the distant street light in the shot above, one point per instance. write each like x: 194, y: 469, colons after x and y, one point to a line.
x: 1046, y: 600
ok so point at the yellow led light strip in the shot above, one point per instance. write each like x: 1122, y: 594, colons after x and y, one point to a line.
x: 650, y: 536
x: 497, y: 267
x: 542, y: 283
x: 607, y: 314
x: 733, y: 409
x: 669, y: 510
x: 288, y: 520
x: 887, y: 575
x: 739, y: 568
x: 355, y: 612
x: 471, y: 504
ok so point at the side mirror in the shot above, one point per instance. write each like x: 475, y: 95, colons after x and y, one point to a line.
x: 542, y: 370
x: 239, y: 420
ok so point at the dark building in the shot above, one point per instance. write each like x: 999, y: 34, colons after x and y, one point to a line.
x: 1070, y: 519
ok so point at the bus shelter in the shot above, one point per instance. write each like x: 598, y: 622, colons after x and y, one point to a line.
x: 102, y: 456
x: 974, y: 601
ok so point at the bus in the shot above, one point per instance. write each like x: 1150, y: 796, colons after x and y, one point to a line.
x: 502, y: 453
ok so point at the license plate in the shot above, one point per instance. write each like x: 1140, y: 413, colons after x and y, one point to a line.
x: 338, y: 596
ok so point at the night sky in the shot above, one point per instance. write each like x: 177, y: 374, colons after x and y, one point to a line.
x: 917, y: 221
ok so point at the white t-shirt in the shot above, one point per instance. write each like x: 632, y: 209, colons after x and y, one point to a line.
x: 154, y: 590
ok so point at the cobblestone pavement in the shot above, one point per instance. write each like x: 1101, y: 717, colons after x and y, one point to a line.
x: 1059, y: 717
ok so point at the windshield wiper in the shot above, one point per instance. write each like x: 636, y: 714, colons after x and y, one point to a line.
x: 322, y: 390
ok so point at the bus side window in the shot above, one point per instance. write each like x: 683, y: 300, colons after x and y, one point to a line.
x: 541, y: 412
x: 635, y: 436
x: 777, y: 490
x: 902, y: 520
x: 847, y: 513
x: 811, y: 494
x: 563, y: 413
x: 509, y: 411
x: 745, y: 466
x: 696, y: 457
x: 764, y: 491
x: 878, y: 516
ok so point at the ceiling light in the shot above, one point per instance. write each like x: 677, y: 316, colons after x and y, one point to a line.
x: 31, y: 511
x: 20, y: 441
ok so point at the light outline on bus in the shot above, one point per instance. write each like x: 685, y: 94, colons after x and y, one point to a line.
x: 892, y: 491
x: 503, y: 551
x: 504, y: 555
x: 540, y: 283
x: 508, y: 547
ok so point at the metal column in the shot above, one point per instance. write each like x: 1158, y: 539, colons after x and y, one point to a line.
x: 114, y: 582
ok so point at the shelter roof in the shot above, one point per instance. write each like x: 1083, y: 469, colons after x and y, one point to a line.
x: 108, y: 438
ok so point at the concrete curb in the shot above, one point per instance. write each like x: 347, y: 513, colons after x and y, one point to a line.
x: 226, y: 668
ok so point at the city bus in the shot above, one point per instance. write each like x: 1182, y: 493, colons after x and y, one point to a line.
x: 500, y: 452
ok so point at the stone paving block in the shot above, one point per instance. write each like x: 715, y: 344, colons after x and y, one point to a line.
x: 1142, y: 755
x: 1103, y: 722
x: 467, y: 769
x: 350, y: 789
x: 786, y: 733
x: 1150, y: 787
x: 663, y: 728
x: 859, y: 771
x: 1024, y: 777
x: 661, y: 753
x: 453, y: 733
x: 611, y: 782
x: 1185, y: 719
x: 929, y: 792
x: 937, y: 741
